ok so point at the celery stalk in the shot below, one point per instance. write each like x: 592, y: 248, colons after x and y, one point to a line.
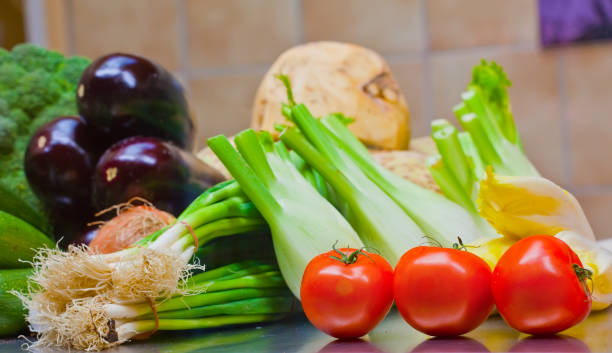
x: 379, y: 221
x: 491, y: 138
x: 303, y: 224
x: 438, y: 217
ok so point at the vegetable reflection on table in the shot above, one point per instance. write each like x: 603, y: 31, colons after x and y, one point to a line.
x: 358, y: 345
x: 554, y: 343
x: 454, y: 344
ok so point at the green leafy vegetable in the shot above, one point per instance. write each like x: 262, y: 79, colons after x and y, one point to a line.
x: 490, y: 138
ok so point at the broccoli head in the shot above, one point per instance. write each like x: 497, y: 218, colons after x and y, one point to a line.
x: 10, y: 74
x: 32, y: 57
x: 36, y: 90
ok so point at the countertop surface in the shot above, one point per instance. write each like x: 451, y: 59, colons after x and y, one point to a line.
x: 392, y: 335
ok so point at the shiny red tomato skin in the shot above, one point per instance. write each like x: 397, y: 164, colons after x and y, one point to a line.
x: 441, y: 291
x: 536, y: 289
x: 346, y: 301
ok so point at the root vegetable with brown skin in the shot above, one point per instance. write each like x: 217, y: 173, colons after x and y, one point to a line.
x: 132, y: 223
x: 331, y: 77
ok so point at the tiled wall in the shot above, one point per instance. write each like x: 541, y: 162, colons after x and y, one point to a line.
x: 562, y: 98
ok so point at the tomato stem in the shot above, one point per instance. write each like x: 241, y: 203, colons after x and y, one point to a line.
x: 460, y: 246
x: 351, y: 258
x: 583, y: 275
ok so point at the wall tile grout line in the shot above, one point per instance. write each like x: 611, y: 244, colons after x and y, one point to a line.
x: 298, y: 16
x: 427, y: 86
x: 182, y: 40
x: 566, y: 142
x: 71, y: 40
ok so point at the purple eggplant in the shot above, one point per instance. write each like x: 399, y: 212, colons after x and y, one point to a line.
x: 125, y: 95
x: 59, y: 164
x: 155, y: 170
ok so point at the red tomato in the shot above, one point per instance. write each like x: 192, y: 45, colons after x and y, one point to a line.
x: 536, y: 288
x: 347, y: 300
x: 442, y: 292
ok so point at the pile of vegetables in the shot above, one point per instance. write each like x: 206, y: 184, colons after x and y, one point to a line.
x: 314, y: 188
x: 134, y: 123
x: 74, y: 292
x: 36, y: 86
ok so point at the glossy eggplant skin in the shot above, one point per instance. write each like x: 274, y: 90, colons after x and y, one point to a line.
x: 59, y: 164
x: 155, y: 170
x: 125, y: 95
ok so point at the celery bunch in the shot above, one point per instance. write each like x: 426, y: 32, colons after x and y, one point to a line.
x: 490, y: 139
x: 302, y: 222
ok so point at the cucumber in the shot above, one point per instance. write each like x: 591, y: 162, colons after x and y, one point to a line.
x: 19, y: 240
x: 12, y: 313
x: 11, y: 203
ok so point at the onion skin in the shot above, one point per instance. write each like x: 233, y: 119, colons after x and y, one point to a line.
x: 157, y: 171
x: 125, y: 95
x: 130, y: 225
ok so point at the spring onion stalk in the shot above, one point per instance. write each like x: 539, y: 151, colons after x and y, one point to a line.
x: 437, y: 216
x: 490, y: 139
x: 302, y: 222
x: 379, y: 221
x: 241, y: 293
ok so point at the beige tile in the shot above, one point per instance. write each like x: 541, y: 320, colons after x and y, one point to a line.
x: 534, y: 97
x: 589, y: 73
x: 56, y: 16
x: 596, y: 206
x: 142, y: 27
x: 224, y: 32
x: 386, y: 26
x: 410, y: 76
x: 467, y: 23
x: 222, y: 105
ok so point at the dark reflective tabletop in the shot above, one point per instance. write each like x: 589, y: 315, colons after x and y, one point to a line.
x: 393, y: 335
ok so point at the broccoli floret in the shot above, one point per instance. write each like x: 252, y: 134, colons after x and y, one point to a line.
x: 4, y: 107
x: 72, y: 69
x: 21, y: 119
x: 32, y: 57
x: 10, y: 74
x: 8, y: 134
x: 5, y: 56
x: 65, y: 106
x: 36, y: 90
